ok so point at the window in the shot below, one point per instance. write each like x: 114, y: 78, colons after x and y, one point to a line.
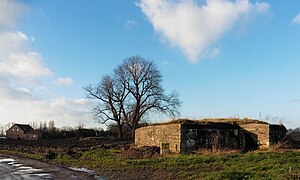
x: 33, y: 136
x: 12, y: 129
x: 17, y: 129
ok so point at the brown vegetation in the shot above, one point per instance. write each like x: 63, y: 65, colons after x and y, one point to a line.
x: 237, y: 121
x: 50, y: 148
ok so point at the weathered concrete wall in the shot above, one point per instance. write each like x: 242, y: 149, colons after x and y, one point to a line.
x: 156, y: 134
x: 185, y: 137
x: 260, y: 134
x: 191, y: 136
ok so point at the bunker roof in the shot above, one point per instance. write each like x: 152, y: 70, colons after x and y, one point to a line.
x: 236, y: 121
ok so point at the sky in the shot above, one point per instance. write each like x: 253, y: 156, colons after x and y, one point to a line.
x: 226, y: 58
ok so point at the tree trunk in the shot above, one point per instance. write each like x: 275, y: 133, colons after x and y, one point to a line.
x: 120, y: 131
x: 133, y: 132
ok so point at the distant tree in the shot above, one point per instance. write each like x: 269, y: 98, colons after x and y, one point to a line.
x: 80, y: 125
x: 133, y: 91
x: 51, y: 125
x: 45, y: 128
x: 7, y: 126
x: 33, y: 124
x: 67, y: 128
x: 41, y: 125
x: 2, y: 130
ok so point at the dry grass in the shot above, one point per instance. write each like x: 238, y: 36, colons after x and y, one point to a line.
x: 236, y: 121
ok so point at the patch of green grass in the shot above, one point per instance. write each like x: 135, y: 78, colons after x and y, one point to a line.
x: 34, y: 156
x: 251, y: 165
x: 26, y: 155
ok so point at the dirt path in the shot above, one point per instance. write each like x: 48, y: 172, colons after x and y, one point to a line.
x: 21, y: 168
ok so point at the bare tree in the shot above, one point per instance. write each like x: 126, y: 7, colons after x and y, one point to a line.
x: 111, y: 96
x: 131, y: 92
x: 33, y: 124
x: 81, y: 125
x: 142, y: 79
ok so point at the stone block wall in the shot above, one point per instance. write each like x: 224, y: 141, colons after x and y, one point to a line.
x: 154, y: 135
x: 260, y: 133
x: 183, y: 137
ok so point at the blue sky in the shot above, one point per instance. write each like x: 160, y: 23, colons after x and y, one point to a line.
x: 225, y: 58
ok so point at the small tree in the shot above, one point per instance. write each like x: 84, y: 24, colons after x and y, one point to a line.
x: 130, y: 93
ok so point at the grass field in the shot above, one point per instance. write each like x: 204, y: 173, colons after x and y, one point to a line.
x: 114, y: 163
x: 250, y: 165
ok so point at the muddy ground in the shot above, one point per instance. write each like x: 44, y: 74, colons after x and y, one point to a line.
x: 13, y: 167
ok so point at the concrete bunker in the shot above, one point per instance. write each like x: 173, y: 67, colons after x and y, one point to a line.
x: 184, y: 135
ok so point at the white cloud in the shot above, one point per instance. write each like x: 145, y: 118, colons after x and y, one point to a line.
x: 26, y: 65
x: 192, y: 26
x: 28, y: 102
x: 214, y: 53
x: 296, y: 19
x: 25, y: 90
x: 17, y: 60
x: 13, y: 42
x: 24, y: 94
x: 166, y: 63
x: 64, y: 81
x: 10, y: 11
x: 130, y: 24
x: 262, y: 6
x: 81, y: 101
x: 64, y: 112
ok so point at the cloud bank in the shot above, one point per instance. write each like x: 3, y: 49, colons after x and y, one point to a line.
x: 10, y: 12
x: 296, y: 19
x: 24, y: 93
x: 192, y: 26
